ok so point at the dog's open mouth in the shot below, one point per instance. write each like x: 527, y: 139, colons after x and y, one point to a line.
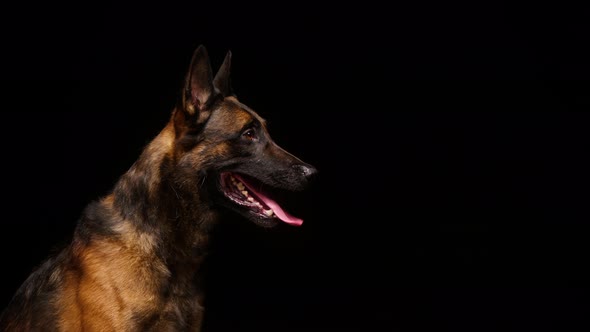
x: 249, y: 194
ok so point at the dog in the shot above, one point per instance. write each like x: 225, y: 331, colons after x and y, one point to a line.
x: 134, y: 262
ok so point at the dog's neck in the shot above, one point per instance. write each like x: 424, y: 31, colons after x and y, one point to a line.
x: 151, y: 199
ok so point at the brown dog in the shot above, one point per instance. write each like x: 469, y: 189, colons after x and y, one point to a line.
x: 133, y: 263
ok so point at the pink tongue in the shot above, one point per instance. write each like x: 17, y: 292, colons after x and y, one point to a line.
x: 280, y: 213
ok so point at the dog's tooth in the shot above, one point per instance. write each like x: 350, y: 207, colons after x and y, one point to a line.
x: 240, y: 186
x: 268, y: 212
x: 250, y: 199
x: 245, y: 193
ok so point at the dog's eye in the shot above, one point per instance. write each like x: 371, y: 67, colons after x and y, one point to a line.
x: 250, y: 134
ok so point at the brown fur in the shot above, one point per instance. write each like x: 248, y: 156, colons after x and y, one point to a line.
x: 135, y: 258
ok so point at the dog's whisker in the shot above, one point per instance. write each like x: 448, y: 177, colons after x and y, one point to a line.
x: 175, y: 192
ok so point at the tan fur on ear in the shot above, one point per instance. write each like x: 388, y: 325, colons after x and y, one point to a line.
x: 198, y: 86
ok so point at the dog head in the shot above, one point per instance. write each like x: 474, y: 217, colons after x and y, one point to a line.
x: 222, y: 147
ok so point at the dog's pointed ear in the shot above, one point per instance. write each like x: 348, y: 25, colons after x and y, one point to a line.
x: 222, y: 78
x: 198, y: 87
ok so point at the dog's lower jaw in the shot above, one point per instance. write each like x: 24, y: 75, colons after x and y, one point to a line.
x: 250, y: 199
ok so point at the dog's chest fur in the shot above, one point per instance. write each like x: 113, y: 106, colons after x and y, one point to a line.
x: 127, y: 280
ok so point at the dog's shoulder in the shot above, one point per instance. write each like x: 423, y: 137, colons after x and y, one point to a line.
x: 34, y: 302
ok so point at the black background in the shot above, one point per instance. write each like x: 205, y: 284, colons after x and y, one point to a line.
x: 453, y: 186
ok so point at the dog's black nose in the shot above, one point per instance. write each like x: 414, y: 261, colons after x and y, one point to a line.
x: 306, y: 170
